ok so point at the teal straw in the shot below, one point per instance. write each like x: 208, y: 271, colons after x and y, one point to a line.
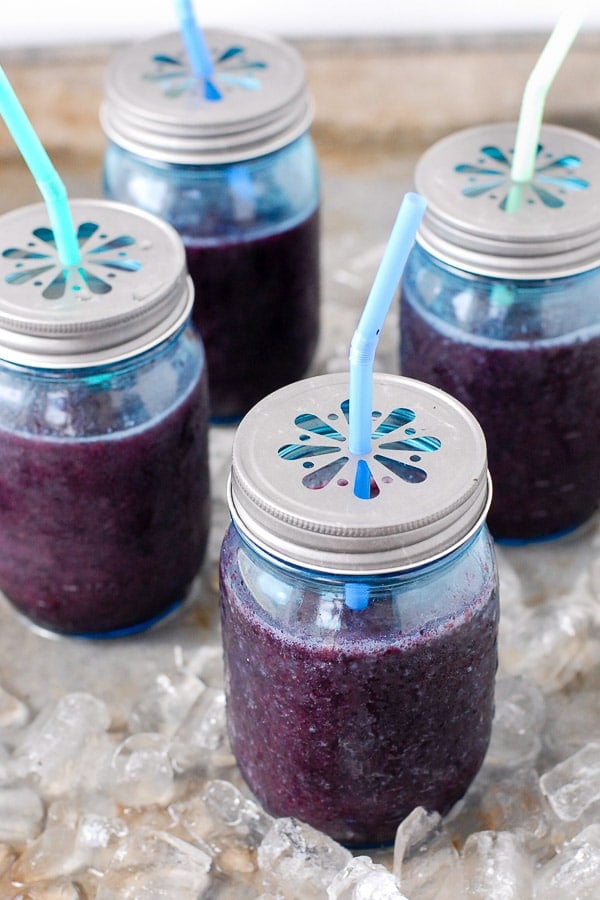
x: 534, y: 96
x: 365, y: 339
x: 193, y: 38
x: 46, y: 177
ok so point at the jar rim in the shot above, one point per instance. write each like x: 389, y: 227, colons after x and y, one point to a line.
x: 130, y: 291
x: 549, y: 230
x: 259, y: 111
x: 418, y: 512
x: 270, y: 553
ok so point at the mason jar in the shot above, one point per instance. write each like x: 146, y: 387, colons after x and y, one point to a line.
x: 359, y: 634
x: 230, y: 163
x: 500, y: 308
x: 104, y: 488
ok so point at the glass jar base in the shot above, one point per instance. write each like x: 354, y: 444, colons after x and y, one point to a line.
x: 128, y: 631
x: 571, y: 531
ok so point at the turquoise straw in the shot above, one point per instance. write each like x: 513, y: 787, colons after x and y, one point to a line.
x: 193, y: 38
x: 365, y: 338
x: 47, y: 178
x: 536, y: 89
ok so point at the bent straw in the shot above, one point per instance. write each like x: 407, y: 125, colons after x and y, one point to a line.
x: 193, y: 39
x: 536, y: 89
x: 46, y: 177
x: 365, y: 338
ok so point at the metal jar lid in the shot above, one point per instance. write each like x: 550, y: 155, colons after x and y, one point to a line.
x: 553, y: 232
x: 154, y: 106
x: 292, y: 485
x: 130, y: 292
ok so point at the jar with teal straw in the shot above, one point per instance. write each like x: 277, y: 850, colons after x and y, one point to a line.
x: 500, y: 308
x: 104, y: 493
x: 500, y: 302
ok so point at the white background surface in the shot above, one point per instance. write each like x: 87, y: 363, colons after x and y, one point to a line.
x: 43, y: 22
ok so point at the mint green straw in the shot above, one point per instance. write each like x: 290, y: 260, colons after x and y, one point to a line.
x: 536, y: 89
x: 366, y: 337
x: 47, y: 179
x: 195, y: 45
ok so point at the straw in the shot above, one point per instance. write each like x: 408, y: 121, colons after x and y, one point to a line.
x: 193, y: 39
x: 356, y: 595
x: 534, y: 95
x: 47, y: 178
x: 365, y: 338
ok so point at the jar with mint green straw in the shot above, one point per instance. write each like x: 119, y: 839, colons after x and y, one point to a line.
x: 359, y: 598
x: 212, y: 133
x: 104, y: 484
x: 500, y: 307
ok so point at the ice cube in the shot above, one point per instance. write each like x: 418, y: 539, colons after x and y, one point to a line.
x: 518, y: 722
x: 572, y: 722
x: 573, y: 785
x: 68, y: 810
x: 574, y: 872
x: 497, y: 867
x: 236, y: 814
x: 362, y: 879
x: 465, y: 817
x: 141, y: 771
x: 21, y: 814
x: 163, y: 707
x: 201, y: 741
x: 412, y: 832
x: 192, y: 815
x: 13, y: 712
x: 227, y: 823
x: 207, y: 664
x: 554, y: 642
x: 153, y: 818
x: 59, y: 889
x: 53, y: 854
x: 298, y: 862
x: 149, y: 865
x: 516, y: 804
x: 52, y: 747
x: 98, y: 836
x: 425, y: 861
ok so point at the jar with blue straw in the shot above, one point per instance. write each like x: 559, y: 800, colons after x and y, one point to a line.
x: 211, y: 132
x: 359, y: 591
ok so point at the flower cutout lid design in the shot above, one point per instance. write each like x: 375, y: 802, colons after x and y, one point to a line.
x: 297, y: 492
x: 478, y: 220
x: 254, y: 102
x: 130, y: 291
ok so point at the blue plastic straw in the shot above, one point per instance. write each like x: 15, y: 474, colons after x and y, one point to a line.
x: 47, y: 178
x: 356, y: 595
x: 365, y: 338
x: 193, y: 39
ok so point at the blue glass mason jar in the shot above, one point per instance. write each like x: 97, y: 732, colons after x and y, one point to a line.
x: 500, y: 308
x: 230, y: 163
x: 359, y: 632
x: 104, y: 493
